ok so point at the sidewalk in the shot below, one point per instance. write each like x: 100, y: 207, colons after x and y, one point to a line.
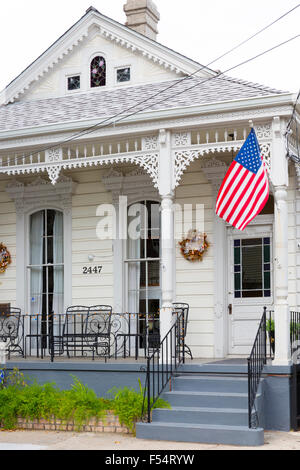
x: 88, y: 441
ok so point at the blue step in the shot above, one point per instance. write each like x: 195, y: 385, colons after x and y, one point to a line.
x: 210, y: 384
x: 206, y: 399
x: 221, y: 416
x: 204, y: 433
x: 210, y: 408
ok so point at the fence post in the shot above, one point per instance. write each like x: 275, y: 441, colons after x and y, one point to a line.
x: 148, y: 391
x: 265, y: 334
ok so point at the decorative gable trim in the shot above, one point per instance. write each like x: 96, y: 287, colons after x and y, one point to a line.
x: 112, y: 31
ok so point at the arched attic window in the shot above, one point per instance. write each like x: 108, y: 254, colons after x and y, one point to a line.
x: 98, y: 72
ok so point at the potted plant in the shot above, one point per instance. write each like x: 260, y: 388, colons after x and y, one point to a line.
x: 271, y: 332
x: 294, y: 332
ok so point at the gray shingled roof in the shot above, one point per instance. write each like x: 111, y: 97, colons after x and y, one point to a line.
x: 103, y: 103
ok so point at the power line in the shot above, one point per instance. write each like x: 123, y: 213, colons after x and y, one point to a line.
x: 90, y: 130
x: 112, y: 118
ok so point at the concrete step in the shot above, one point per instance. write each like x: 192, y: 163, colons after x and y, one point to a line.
x: 210, y: 384
x: 193, y: 415
x: 204, y: 433
x: 206, y: 399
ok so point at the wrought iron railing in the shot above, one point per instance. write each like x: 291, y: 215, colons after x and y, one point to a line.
x: 270, y: 334
x: 295, y: 331
x: 163, y: 363
x: 132, y: 335
x: 256, y: 362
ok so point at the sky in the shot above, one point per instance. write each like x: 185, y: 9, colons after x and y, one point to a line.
x: 200, y: 30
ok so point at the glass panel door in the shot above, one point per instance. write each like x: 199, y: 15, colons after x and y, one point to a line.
x: 46, y: 267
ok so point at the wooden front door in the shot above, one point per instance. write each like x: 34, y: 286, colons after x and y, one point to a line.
x: 250, y: 281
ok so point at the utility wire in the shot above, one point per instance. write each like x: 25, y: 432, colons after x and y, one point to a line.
x: 112, y: 118
x: 93, y: 128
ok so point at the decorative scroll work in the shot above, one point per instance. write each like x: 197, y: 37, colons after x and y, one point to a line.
x: 184, y: 158
x: 148, y: 161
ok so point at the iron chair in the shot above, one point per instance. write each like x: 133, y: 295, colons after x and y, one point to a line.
x: 10, y: 321
x: 182, y: 308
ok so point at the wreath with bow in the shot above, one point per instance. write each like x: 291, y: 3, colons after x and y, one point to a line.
x: 5, y: 258
x: 194, y: 246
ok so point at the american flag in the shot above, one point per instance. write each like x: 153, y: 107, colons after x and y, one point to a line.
x: 245, y: 189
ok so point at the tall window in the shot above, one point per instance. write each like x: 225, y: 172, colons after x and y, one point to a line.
x: 98, y: 72
x: 143, y: 265
x: 46, y: 262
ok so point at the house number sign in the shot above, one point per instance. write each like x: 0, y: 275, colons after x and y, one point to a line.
x: 92, y: 270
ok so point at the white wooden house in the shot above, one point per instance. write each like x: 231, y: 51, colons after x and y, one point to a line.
x: 104, y: 112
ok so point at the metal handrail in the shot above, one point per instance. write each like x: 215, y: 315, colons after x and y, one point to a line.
x: 256, y: 362
x: 163, y: 363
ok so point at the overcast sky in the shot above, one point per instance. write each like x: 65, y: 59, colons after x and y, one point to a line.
x: 198, y: 29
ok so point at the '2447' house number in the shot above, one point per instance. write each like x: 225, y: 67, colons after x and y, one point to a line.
x: 92, y: 270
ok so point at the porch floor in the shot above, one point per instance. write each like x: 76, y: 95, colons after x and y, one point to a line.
x: 241, y: 360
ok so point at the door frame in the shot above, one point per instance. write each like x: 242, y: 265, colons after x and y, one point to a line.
x: 262, y: 226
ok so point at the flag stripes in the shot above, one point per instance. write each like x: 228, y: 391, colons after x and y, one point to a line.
x: 245, y: 189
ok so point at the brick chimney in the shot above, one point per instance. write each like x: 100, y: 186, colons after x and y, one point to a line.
x: 143, y: 17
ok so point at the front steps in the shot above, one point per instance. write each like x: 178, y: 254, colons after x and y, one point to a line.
x: 208, y: 409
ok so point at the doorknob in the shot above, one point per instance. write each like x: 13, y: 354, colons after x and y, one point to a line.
x: 230, y: 309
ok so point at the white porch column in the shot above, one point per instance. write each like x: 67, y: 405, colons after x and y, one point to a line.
x: 281, y: 305
x: 298, y: 238
x: 166, y: 172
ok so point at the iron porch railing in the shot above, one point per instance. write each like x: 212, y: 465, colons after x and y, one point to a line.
x: 132, y: 335
x: 164, y: 362
x: 256, y: 362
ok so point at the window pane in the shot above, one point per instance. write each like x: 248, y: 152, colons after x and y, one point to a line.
x: 36, y: 238
x: 252, y: 293
x: 267, y: 280
x: 153, y: 274
x: 98, y: 72
x: 74, y: 83
x: 252, y: 242
x: 237, y: 256
x: 253, y: 261
x: 252, y: 268
x: 267, y: 254
x: 123, y: 75
x: 237, y: 282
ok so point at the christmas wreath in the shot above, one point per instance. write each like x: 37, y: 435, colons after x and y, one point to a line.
x: 5, y: 258
x: 194, y: 246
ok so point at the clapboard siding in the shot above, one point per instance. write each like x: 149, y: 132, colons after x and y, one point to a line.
x: 194, y: 281
x: 8, y: 237
x: 90, y: 289
x: 292, y: 239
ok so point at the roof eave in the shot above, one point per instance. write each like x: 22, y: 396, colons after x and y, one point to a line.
x: 225, y: 106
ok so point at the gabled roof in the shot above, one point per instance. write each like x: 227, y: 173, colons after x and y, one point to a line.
x: 111, y: 30
x: 81, y: 107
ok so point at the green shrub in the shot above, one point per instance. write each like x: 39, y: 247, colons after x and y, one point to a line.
x: 79, y: 404
x: 128, y: 405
